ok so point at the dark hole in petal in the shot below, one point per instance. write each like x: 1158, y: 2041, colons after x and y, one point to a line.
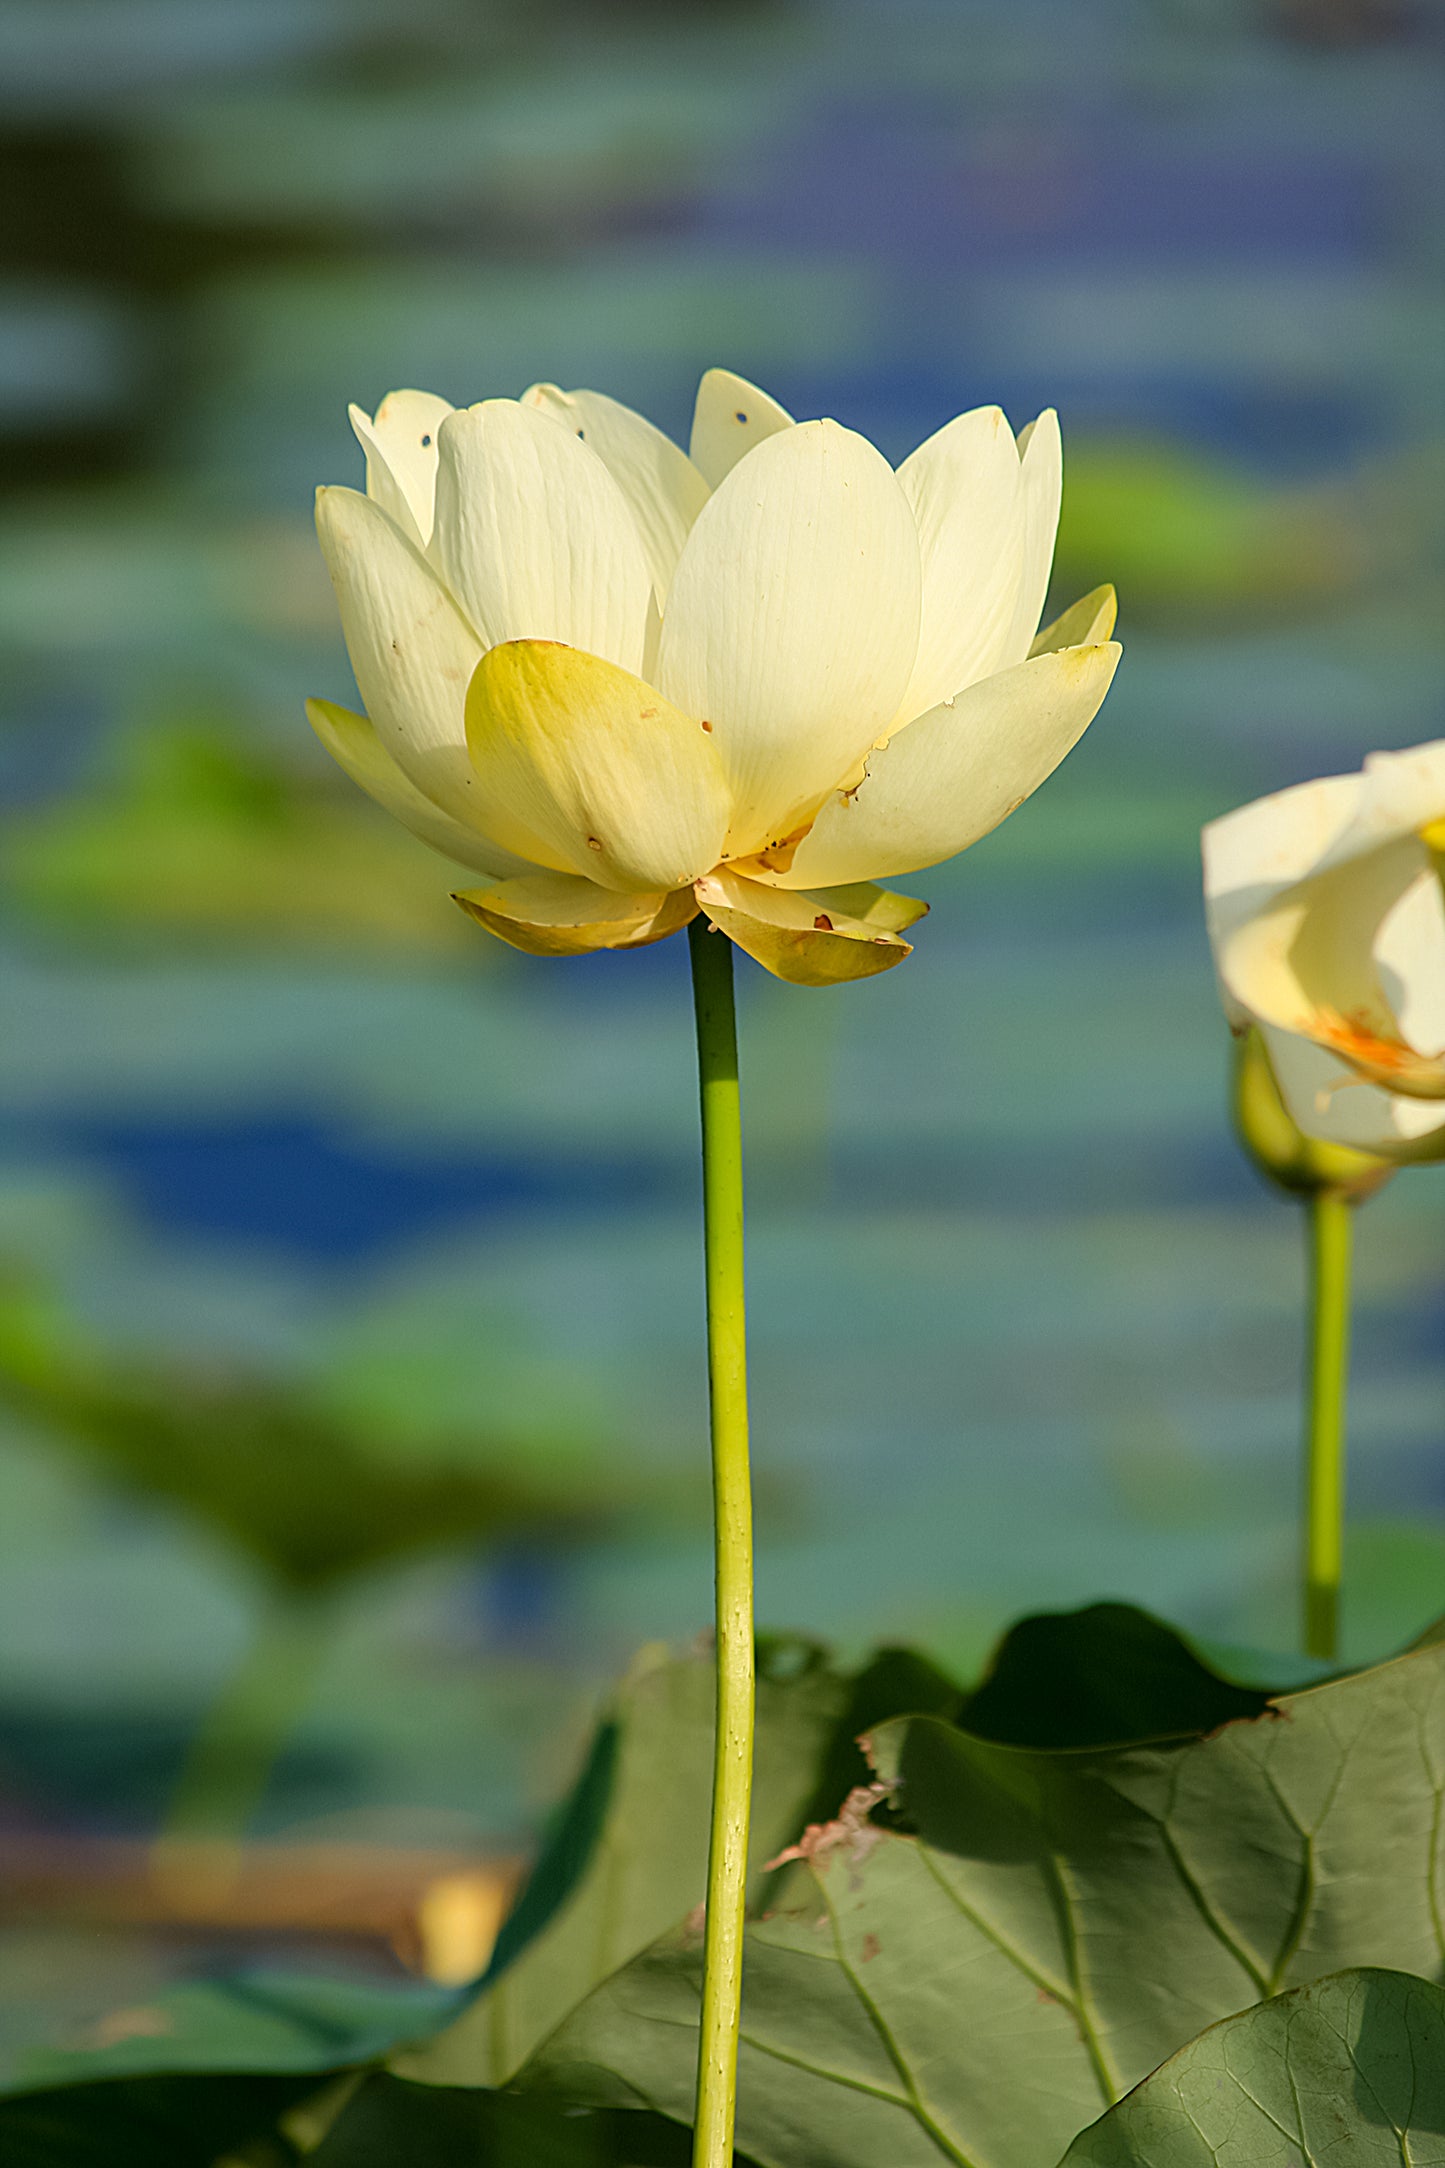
x: 740, y: 416
x: 426, y: 440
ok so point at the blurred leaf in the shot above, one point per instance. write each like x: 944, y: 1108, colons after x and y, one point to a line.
x: 200, y: 832
x: 433, y: 2126
x: 1350, y: 2068
x: 1187, y: 536
x: 626, y: 1857
x: 1394, y: 1573
x: 629, y: 1854
x: 1044, y: 1927
x: 269, y: 2025
x: 145, y: 2123
x: 278, y: 1476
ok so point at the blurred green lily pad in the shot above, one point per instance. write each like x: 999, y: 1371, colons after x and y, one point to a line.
x: 198, y: 833
x: 280, y: 1476
x: 1189, y: 537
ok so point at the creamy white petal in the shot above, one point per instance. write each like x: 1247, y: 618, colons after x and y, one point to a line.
x: 1086, y: 623
x: 1269, y: 844
x: 958, y: 771
x: 1399, y: 795
x: 966, y: 491
x: 411, y: 649
x: 534, y: 538
x: 1327, y: 1099
x: 400, y: 443
x: 353, y: 744
x: 1041, y: 478
x: 1410, y: 959
x: 663, y: 488
x: 623, y: 787
x: 730, y: 416
x: 1313, y: 957
x: 1324, y: 912
x: 793, y: 621
x: 1253, y: 853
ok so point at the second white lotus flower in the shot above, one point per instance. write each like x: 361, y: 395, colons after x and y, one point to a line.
x: 627, y: 684
x: 1328, y: 922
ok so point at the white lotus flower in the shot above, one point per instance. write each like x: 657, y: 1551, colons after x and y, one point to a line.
x: 627, y: 684
x: 1328, y: 922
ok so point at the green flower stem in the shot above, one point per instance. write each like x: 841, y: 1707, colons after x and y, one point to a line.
x: 234, y: 1751
x: 1330, y: 1233
x: 722, y: 1159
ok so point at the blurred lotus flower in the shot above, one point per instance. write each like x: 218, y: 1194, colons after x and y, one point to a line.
x: 627, y: 684
x: 1328, y: 924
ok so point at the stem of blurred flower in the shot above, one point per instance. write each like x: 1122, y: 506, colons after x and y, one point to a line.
x: 722, y: 1159
x: 1330, y: 1232
x: 197, y: 1855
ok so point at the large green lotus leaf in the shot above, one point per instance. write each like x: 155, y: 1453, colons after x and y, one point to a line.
x: 1350, y: 2069
x: 1039, y: 1929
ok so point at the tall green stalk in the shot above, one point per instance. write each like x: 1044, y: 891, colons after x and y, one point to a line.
x: 722, y: 1159
x: 1330, y: 1231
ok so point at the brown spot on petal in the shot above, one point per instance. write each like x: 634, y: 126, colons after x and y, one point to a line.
x: 646, y: 715
x: 594, y: 843
x: 823, y: 923
x: 707, y: 726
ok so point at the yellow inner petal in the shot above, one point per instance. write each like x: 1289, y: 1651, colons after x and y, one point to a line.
x: 620, y: 784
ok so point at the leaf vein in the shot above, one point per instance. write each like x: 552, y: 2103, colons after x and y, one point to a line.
x: 926, y: 2120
